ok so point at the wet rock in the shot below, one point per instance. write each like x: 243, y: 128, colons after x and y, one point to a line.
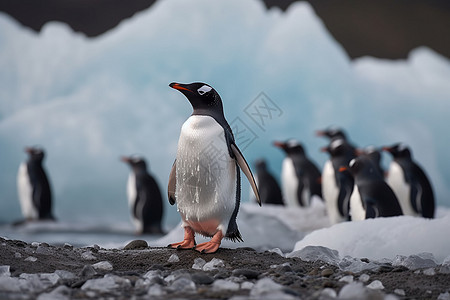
x: 103, y: 266
x: 326, y: 272
x: 87, y: 271
x: 136, y: 244
x: 183, y: 284
x: 249, y: 274
x: 202, y: 278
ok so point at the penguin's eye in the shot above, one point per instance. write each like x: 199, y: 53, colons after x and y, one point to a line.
x: 204, y: 89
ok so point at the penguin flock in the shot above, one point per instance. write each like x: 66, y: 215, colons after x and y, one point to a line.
x: 205, y: 183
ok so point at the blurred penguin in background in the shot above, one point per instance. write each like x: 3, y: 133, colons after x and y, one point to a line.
x: 337, y: 186
x: 335, y: 133
x: 410, y: 183
x: 300, y: 177
x: 269, y: 190
x: 144, y: 197
x: 371, y: 197
x: 374, y: 155
x: 34, y: 190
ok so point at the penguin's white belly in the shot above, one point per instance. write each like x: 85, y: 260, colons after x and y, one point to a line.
x: 205, y: 176
x: 289, y: 183
x: 330, y: 193
x: 396, y: 180
x: 132, y: 194
x: 25, y: 192
x: 357, y: 210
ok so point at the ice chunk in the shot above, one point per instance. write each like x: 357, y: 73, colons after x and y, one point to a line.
x: 445, y: 267
x: 376, y: 285
x: 347, y: 279
x: 364, y: 278
x: 87, y: 255
x: 9, y: 284
x: 156, y: 290
x: 35, y: 244
x: 103, y: 265
x: 4, y: 271
x: 315, y: 253
x: 247, y: 285
x: 198, y: 263
x: 31, y: 258
x: 63, y: 274
x: 328, y: 293
x: 215, y: 263
x: 265, y: 286
x: 414, y: 262
x: 400, y: 292
x: 354, y: 290
x: 429, y: 272
x: 62, y: 292
x: 444, y: 296
x: 183, y: 284
x: 355, y: 265
x: 173, y: 258
x: 106, y: 284
x: 227, y: 285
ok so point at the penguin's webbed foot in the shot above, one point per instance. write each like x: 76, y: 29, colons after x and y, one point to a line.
x: 188, y: 241
x: 212, y: 246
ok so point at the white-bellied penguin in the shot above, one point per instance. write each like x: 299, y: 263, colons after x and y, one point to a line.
x: 269, y: 190
x: 205, y: 177
x: 410, y: 183
x: 300, y: 177
x: 144, y: 197
x: 337, y: 186
x: 372, y: 192
x: 33, y: 185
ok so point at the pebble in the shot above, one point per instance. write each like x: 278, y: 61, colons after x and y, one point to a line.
x: 136, y: 244
x: 87, y: 255
x: 364, y: 278
x: 202, y: 278
x: 327, y: 272
x: 347, y: 279
x: 103, y: 265
x: 249, y: 274
x: 31, y: 258
x: 87, y: 271
x: 400, y: 292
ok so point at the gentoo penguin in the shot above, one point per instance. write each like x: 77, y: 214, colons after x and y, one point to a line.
x: 144, y: 197
x: 335, y: 133
x: 300, y: 177
x: 375, y: 197
x: 205, y: 178
x: 337, y: 186
x: 269, y: 190
x: 410, y: 183
x: 374, y: 155
x: 34, y: 191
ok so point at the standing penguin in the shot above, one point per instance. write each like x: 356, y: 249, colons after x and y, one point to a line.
x: 144, y: 197
x: 269, y: 190
x: 375, y: 197
x: 337, y: 186
x: 34, y: 191
x: 410, y: 183
x: 335, y: 133
x: 300, y: 177
x: 205, y: 178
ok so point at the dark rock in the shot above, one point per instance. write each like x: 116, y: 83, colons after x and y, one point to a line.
x: 222, y: 275
x: 78, y: 284
x: 136, y: 244
x: 400, y: 269
x: 157, y: 267
x: 87, y: 271
x: 327, y: 272
x: 283, y: 269
x: 249, y: 274
x: 202, y: 278
x: 385, y: 268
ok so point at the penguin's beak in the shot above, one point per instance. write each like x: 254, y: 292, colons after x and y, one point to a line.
x: 279, y: 144
x: 179, y: 86
x: 320, y: 133
x: 359, y: 152
x: 125, y: 159
x: 28, y: 150
x: 343, y: 169
x: 324, y: 149
x: 387, y: 149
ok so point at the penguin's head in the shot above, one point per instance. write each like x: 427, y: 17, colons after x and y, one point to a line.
x: 35, y: 153
x: 201, y: 95
x: 332, y: 133
x: 290, y: 146
x: 260, y: 165
x: 398, y: 150
x: 370, y: 151
x: 136, y: 163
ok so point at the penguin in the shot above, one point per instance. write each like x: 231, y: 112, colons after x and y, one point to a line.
x: 375, y: 197
x: 205, y: 177
x: 335, y: 133
x: 35, y: 195
x: 374, y: 155
x: 144, y: 197
x: 269, y: 190
x: 337, y: 186
x: 410, y: 182
x: 300, y: 177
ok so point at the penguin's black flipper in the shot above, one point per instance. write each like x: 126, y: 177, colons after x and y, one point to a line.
x: 246, y: 169
x: 371, y: 209
x: 172, y: 184
x: 346, y: 183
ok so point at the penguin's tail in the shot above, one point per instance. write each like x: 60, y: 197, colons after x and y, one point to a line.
x: 234, y: 236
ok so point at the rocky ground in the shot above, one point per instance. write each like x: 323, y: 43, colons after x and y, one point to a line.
x: 42, y: 271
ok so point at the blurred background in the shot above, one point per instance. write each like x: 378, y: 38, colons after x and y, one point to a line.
x: 87, y: 80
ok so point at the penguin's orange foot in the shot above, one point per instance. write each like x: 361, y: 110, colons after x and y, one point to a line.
x: 212, y: 246
x: 188, y: 242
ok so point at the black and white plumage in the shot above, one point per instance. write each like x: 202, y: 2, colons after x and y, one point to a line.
x: 410, y: 183
x: 144, y: 197
x: 337, y: 186
x: 374, y: 155
x: 205, y: 177
x: 269, y: 190
x: 375, y: 197
x: 34, y: 190
x: 300, y: 177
